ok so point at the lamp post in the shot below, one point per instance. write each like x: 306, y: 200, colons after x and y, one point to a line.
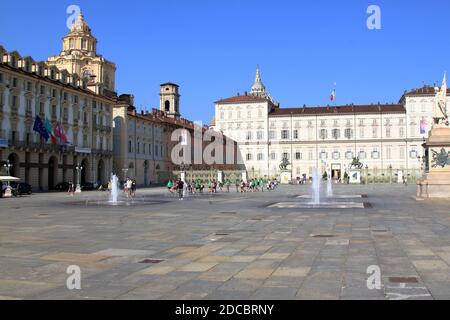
x: 124, y: 170
x: 7, y: 167
x: 390, y: 173
x: 8, y: 190
x: 367, y: 174
x: 78, y: 168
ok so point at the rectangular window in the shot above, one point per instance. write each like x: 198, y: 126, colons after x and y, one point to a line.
x: 272, y: 135
x: 295, y: 134
x: 348, y: 133
x: 336, y: 133
x: 285, y: 155
x: 129, y: 146
x: 249, y: 156
x: 284, y: 134
x: 260, y: 135
x: 260, y: 156
x: 28, y: 86
x: 14, y: 101
x: 323, y: 134
x: 298, y: 156
x: 273, y: 156
x: 349, y: 155
x: 14, y: 84
x: 249, y: 135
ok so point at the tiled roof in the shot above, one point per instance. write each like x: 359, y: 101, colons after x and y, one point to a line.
x: 375, y: 108
x: 242, y: 99
x: 54, y: 81
x: 423, y: 91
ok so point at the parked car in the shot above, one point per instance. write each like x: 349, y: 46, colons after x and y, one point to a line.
x: 21, y: 188
x: 89, y: 186
x: 63, y: 186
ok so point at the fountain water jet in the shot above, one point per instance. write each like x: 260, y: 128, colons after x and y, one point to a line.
x: 316, y: 186
x: 329, y: 186
x: 114, y: 189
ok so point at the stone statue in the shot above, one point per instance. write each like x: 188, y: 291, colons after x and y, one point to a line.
x: 356, y: 164
x: 440, y: 114
x: 284, y: 164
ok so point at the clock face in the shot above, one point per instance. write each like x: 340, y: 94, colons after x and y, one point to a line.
x: 87, y: 73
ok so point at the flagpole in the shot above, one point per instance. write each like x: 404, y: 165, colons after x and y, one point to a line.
x: 335, y: 94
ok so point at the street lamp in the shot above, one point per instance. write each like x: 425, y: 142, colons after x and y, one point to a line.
x: 78, y: 168
x: 7, y: 167
x: 390, y: 173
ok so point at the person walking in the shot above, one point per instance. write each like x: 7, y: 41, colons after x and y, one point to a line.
x: 180, y: 185
x: 133, y: 188
x: 228, y: 185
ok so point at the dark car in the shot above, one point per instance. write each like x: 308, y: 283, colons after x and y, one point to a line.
x: 21, y: 187
x: 63, y: 186
x: 89, y: 186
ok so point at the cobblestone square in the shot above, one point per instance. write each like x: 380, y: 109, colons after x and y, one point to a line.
x: 226, y: 246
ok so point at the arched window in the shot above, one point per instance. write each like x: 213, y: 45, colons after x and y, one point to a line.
x: 167, y: 106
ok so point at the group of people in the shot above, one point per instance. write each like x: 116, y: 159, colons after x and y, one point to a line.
x: 129, y: 187
x: 257, y: 185
x: 213, y: 186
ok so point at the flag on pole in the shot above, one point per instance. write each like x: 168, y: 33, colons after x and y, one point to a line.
x: 49, y: 128
x: 333, y: 93
x: 60, y: 134
x: 422, y: 126
x: 40, y: 128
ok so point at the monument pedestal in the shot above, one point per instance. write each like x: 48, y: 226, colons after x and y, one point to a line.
x: 355, y: 176
x: 285, y: 177
x: 436, y: 183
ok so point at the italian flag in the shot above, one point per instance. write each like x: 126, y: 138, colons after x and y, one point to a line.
x: 333, y: 94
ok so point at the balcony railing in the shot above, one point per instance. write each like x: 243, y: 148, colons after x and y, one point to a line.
x: 40, y: 145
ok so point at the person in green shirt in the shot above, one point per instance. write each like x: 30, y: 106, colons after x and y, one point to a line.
x: 170, y: 185
x: 228, y: 185
x: 261, y: 184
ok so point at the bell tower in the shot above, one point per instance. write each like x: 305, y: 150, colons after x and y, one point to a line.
x: 169, y: 99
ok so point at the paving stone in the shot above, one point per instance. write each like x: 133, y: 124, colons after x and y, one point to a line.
x: 268, y: 252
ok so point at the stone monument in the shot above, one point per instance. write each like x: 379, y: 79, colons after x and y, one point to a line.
x: 355, y: 171
x: 436, y: 181
x: 286, y: 175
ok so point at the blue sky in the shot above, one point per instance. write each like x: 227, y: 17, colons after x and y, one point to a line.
x: 211, y: 48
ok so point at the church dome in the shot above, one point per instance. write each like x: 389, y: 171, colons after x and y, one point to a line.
x: 258, y: 87
x: 80, y: 25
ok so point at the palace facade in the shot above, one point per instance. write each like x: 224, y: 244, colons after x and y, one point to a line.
x: 29, y: 89
x: 385, y: 137
x: 105, y: 134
